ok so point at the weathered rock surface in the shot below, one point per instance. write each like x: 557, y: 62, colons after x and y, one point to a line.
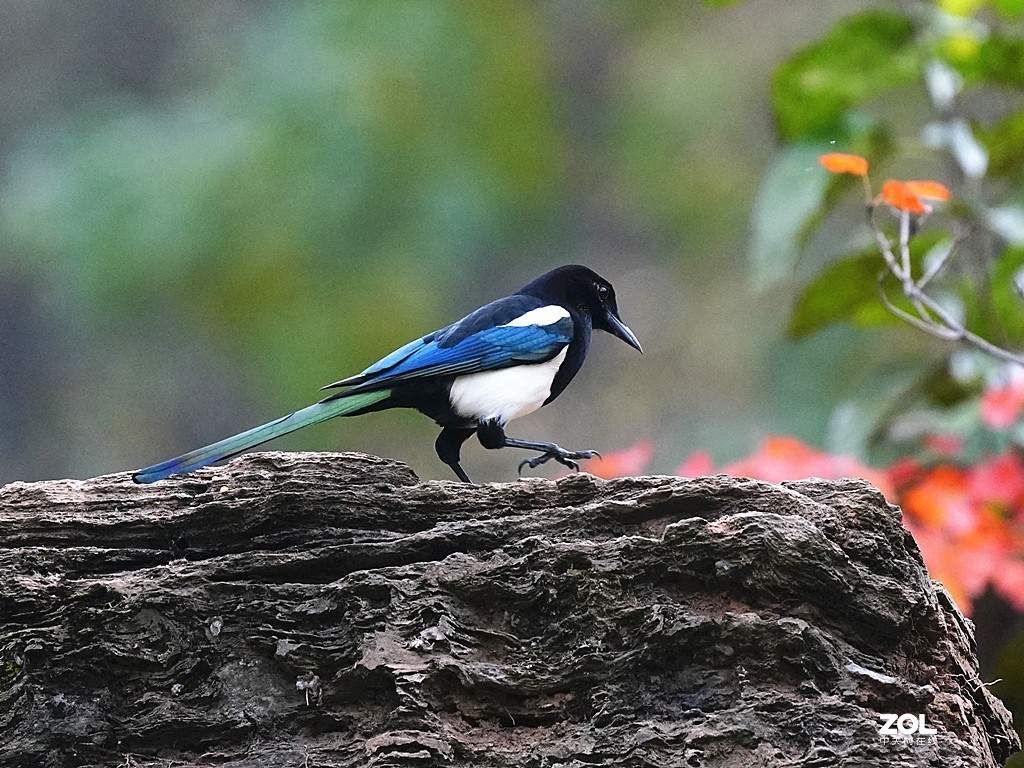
x: 331, y: 610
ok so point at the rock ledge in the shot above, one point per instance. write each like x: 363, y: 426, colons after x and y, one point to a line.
x: 300, y: 609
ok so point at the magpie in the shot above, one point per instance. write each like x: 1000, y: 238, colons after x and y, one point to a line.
x: 502, y: 361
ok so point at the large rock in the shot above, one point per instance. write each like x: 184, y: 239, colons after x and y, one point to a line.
x: 331, y: 610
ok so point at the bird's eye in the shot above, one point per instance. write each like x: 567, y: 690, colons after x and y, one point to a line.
x: 602, y: 291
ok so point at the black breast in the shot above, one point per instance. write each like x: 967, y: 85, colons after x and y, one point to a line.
x: 574, y: 356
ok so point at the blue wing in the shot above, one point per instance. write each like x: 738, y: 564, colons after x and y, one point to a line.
x: 451, y: 352
x: 388, y: 361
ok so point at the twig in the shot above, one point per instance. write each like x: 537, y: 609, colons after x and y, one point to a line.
x: 905, y: 242
x: 928, y: 326
x: 931, y: 317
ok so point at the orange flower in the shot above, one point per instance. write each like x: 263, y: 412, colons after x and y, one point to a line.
x: 929, y: 190
x: 838, y: 162
x: 900, y: 196
x: 942, y: 500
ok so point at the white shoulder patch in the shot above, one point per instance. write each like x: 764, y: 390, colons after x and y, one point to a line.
x: 548, y: 315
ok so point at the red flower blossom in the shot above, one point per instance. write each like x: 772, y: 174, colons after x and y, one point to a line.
x: 697, y: 463
x: 627, y: 463
x: 1001, y: 405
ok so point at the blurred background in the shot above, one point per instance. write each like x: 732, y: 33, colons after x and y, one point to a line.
x: 210, y: 209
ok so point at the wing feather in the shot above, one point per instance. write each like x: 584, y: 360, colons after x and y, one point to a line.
x: 485, y: 350
x: 386, y: 362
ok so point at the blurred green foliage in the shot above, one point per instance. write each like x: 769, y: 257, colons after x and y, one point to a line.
x: 847, y: 290
x: 814, y: 91
x: 1002, y: 141
x: 930, y: 91
x: 963, y: 130
x: 222, y: 206
x: 352, y: 133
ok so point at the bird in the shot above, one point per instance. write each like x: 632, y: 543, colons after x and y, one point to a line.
x: 502, y: 361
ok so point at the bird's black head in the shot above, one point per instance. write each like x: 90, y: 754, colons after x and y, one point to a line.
x: 587, y: 292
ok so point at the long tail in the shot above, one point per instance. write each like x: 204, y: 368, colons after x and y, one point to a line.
x: 231, y: 446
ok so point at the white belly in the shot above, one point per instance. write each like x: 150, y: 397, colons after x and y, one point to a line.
x: 504, y: 394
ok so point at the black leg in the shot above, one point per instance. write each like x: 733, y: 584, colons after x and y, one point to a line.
x: 448, y: 446
x: 492, y: 435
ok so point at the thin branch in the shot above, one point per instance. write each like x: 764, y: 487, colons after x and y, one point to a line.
x: 928, y: 306
x: 905, y: 242
x: 901, y: 269
x: 883, y: 245
x: 992, y: 349
x: 931, y: 317
x: 927, y: 325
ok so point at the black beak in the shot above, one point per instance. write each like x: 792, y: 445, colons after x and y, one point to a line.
x: 621, y: 330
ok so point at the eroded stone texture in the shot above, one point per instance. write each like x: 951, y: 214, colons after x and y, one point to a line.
x: 331, y: 610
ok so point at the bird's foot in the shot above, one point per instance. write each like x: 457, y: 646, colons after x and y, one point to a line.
x: 562, y: 456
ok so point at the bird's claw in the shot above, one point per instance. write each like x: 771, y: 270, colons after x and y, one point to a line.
x: 565, y: 458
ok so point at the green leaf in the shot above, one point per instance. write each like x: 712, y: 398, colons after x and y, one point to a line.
x: 797, y: 193
x: 862, y: 57
x: 1009, y: 9
x: 997, y: 60
x: 790, y: 196
x: 1006, y: 301
x: 1005, y: 144
x: 943, y: 389
x: 846, y: 291
x: 893, y: 406
x: 857, y: 424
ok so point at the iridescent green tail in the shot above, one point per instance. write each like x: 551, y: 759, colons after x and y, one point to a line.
x: 231, y: 446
